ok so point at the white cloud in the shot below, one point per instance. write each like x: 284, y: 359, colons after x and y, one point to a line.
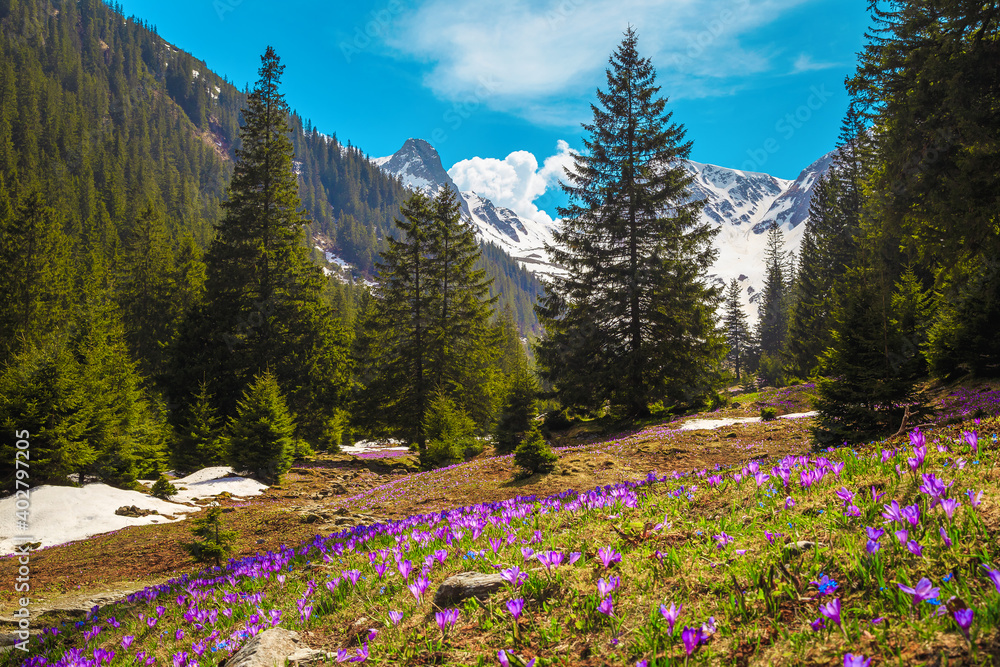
x: 516, y: 181
x: 536, y: 54
x: 804, y: 63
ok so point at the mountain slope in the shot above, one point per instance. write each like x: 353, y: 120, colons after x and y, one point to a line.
x: 418, y: 166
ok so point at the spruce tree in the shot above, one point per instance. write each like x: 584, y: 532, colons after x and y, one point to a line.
x: 738, y: 336
x: 34, y: 271
x: 263, y: 297
x: 867, y: 372
x: 198, y: 440
x: 772, y: 307
x: 427, y: 331
x: 633, y: 319
x: 260, y: 436
x: 393, y: 347
x: 533, y: 454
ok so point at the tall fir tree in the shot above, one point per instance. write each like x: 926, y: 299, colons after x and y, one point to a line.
x: 738, y: 335
x: 427, y: 332
x: 262, y: 307
x: 199, y: 441
x: 35, y: 280
x: 393, y: 346
x: 633, y: 319
x: 462, y: 340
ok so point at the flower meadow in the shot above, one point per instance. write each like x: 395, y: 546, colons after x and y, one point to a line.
x: 885, y: 554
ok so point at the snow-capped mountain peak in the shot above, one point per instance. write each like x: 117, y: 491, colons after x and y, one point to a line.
x: 742, y: 203
x: 419, y: 167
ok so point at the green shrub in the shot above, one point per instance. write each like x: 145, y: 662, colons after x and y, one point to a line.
x: 518, y: 411
x: 212, y: 542
x: 163, y: 489
x: 449, y: 431
x: 768, y: 414
x: 558, y: 420
x: 534, y: 455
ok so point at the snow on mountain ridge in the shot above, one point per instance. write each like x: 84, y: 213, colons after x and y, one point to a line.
x: 742, y: 203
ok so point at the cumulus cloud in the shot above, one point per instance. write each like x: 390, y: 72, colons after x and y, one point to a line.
x: 516, y: 181
x: 537, y: 53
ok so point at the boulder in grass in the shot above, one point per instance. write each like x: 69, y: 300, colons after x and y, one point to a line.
x: 464, y: 585
x: 273, y: 648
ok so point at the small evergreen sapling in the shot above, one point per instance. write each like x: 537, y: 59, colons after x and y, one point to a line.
x: 213, y: 542
x: 534, y: 455
x: 163, y: 489
x: 260, y: 437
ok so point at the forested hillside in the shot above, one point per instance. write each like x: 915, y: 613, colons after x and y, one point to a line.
x: 116, y: 152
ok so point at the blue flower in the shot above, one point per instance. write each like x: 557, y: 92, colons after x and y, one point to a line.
x: 947, y: 577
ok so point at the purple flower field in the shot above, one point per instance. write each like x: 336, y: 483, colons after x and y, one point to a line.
x: 844, y: 557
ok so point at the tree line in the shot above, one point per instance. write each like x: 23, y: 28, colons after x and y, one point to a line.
x: 896, y: 280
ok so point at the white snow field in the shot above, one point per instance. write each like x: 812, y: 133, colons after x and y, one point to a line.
x: 699, y: 424
x: 60, y: 514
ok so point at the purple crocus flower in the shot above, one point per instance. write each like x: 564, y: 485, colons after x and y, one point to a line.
x: 550, y: 559
x: 671, y: 615
x: 872, y: 546
x: 944, y: 536
x: 607, y: 587
x: 972, y: 440
x: 845, y: 495
x: 446, y: 619
x: 876, y: 496
x: 405, y: 568
x: 994, y: 576
x: 419, y: 587
x: 831, y: 610
x: 395, y: 617
x: 874, y: 533
x: 964, y: 619
x: 851, y: 660
x: 353, y: 575
x: 722, y: 539
x: 527, y: 552
x: 976, y: 499
x: 914, y: 548
x: 502, y: 657
x: 691, y: 637
x: 902, y: 535
x: 892, y: 512
x: 924, y: 590
x: 789, y: 503
x: 912, y: 514
x: 817, y: 624
x: 515, y: 607
x: 949, y: 505
x: 608, y: 556
x: 513, y: 576
x: 607, y: 606
x: 127, y: 641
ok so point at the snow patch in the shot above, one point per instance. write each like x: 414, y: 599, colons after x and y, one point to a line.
x: 700, y: 424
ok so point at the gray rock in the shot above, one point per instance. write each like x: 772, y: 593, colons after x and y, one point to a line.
x: 272, y: 648
x: 464, y: 585
x: 133, y: 511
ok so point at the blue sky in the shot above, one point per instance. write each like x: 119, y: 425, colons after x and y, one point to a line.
x: 500, y: 87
